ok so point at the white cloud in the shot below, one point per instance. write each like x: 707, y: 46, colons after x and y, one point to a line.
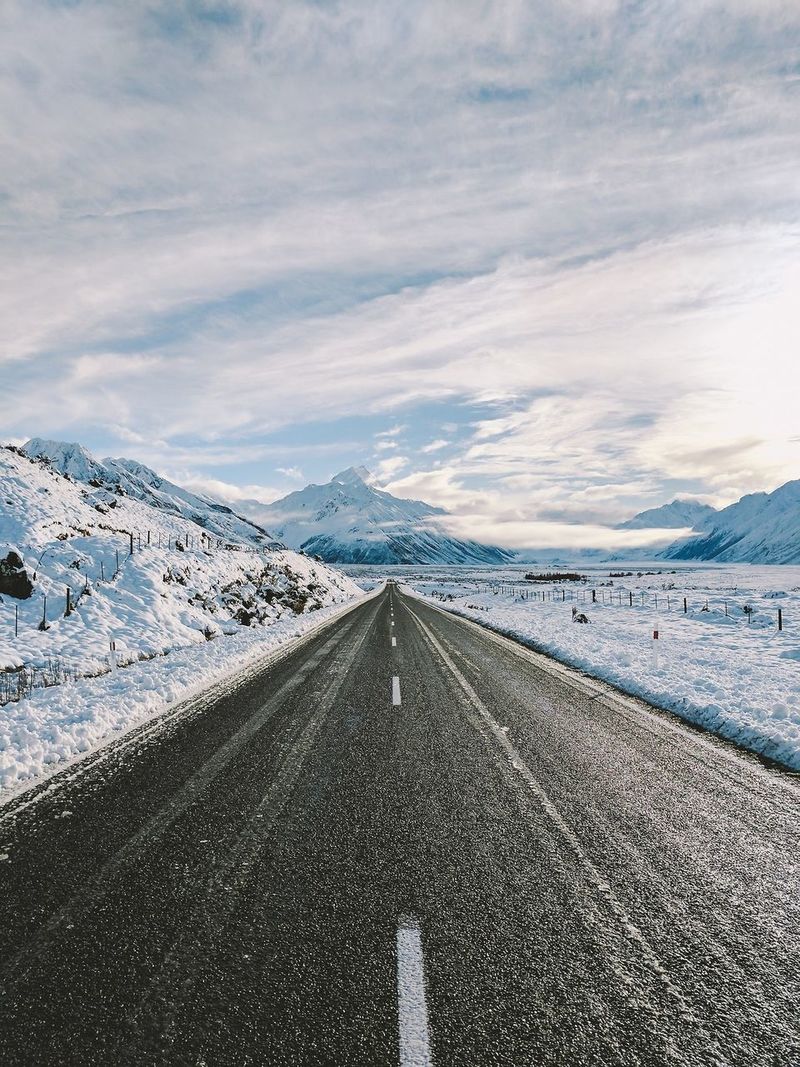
x: 533, y: 535
x: 226, y: 492
x: 295, y: 473
x: 389, y: 467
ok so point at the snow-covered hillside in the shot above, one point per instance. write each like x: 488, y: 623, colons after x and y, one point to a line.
x: 678, y: 515
x: 195, y: 573
x: 132, y: 479
x: 348, y: 520
x: 759, y: 528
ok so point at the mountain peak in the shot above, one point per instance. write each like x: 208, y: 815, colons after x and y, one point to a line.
x: 354, y: 475
x: 678, y: 513
x: 348, y: 520
x: 68, y: 457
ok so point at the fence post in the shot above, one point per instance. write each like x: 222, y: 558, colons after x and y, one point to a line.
x: 594, y: 596
x: 780, y: 620
x: 630, y: 599
x: 68, y: 610
x: 43, y: 623
x: 131, y: 551
x: 685, y: 606
x: 116, y: 572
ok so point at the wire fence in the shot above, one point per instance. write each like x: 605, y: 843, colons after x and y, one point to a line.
x: 668, y: 600
x: 20, y: 682
x: 106, y: 567
x: 107, y: 564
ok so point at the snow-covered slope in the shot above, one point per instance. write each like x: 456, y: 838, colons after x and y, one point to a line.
x: 348, y: 520
x: 126, y: 477
x: 759, y: 528
x: 187, y: 581
x: 679, y: 515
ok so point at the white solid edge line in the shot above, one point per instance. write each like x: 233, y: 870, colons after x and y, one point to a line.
x: 412, y: 1009
x: 395, y: 690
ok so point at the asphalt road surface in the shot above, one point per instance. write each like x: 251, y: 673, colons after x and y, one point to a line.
x: 410, y: 842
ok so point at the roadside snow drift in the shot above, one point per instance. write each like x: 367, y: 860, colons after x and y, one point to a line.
x: 200, y: 588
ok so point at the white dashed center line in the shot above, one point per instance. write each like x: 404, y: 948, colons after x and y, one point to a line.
x: 394, y: 642
x: 412, y: 1010
x: 395, y: 690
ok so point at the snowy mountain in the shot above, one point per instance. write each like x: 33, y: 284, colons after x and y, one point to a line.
x: 69, y: 583
x: 126, y: 477
x: 759, y: 528
x: 348, y: 520
x: 679, y: 515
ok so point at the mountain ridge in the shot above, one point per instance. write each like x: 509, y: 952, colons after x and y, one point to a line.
x: 349, y: 520
x: 678, y: 514
x: 758, y: 528
x: 131, y: 478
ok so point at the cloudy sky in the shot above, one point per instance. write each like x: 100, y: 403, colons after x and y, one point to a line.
x: 534, y: 260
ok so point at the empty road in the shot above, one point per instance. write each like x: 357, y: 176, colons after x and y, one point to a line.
x: 406, y: 842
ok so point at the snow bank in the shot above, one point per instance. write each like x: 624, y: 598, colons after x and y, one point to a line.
x: 737, y: 678
x: 184, y: 590
x: 42, y: 733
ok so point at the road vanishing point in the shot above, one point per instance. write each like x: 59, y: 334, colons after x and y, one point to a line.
x: 405, y: 841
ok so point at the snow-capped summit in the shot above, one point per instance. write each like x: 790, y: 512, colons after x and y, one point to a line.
x: 130, y: 478
x: 678, y: 515
x: 349, y: 520
x: 759, y: 528
x: 67, y: 457
x: 354, y: 476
